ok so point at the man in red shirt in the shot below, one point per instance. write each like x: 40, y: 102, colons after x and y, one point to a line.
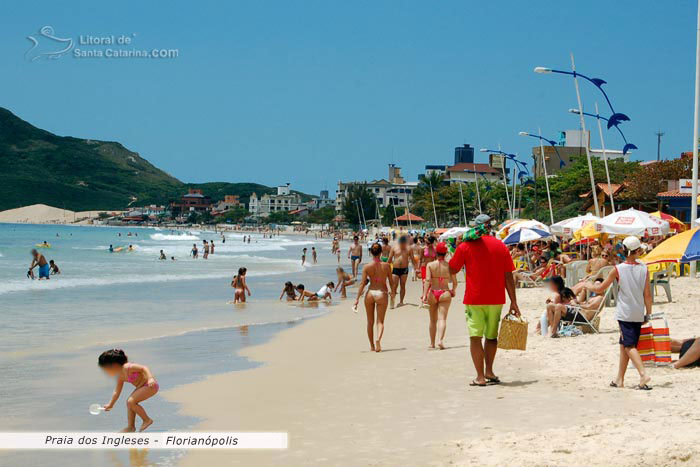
x: 489, y: 273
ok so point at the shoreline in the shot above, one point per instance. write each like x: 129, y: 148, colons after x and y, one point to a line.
x: 319, y: 382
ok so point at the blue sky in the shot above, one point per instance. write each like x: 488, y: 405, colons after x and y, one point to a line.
x: 310, y: 92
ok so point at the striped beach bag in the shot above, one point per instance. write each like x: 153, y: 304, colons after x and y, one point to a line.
x: 655, y: 342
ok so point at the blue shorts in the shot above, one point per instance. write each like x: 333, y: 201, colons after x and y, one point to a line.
x: 629, y: 333
x: 354, y: 258
x: 44, y: 271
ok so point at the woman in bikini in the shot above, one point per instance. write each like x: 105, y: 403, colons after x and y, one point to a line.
x: 437, y: 294
x: 240, y: 286
x: 377, y: 274
x: 427, y: 256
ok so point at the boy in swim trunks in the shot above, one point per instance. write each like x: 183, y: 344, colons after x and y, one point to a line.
x: 355, y: 255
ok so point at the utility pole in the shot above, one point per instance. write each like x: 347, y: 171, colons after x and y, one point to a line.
x: 658, y: 134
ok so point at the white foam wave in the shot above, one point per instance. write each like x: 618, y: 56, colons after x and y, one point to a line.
x: 174, y: 237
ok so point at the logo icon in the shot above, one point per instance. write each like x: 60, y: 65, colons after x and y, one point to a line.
x: 46, y: 45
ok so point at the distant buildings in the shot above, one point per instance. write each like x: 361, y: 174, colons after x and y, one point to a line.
x: 193, y: 201
x: 391, y: 191
x: 322, y: 201
x: 465, y: 170
x: 229, y: 202
x: 571, y: 146
x: 677, y: 199
x: 284, y: 200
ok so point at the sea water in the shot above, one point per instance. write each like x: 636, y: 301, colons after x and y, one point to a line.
x: 173, y: 315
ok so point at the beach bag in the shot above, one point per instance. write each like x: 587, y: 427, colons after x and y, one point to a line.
x: 655, y: 342
x: 513, y: 333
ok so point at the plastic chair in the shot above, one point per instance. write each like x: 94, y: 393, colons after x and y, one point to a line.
x: 575, y: 271
x: 662, y: 278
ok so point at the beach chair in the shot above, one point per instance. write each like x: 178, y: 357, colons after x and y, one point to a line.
x: 662, y: 278
x: 575, y: 271
x: 602, y: 274
x: 580, y: 320
x: 538, y: 280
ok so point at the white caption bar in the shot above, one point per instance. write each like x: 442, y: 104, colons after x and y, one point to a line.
x: 171, y: 440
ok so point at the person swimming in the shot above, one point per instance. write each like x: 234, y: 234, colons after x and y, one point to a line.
x: 54, y: 268
x: 111, y: 248
x: 116, y: 365
x: 162, y: 255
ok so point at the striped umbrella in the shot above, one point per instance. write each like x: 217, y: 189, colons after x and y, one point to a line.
x: 683, y: 247
x: 525, y: 235
x: 675, y: 224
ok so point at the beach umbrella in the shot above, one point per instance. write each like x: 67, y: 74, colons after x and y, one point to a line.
x: 525, y: 235
x: 674, y: 223
x: 567, y: 227
x: 683, y: 247
x: 632, y: 222
x: 454, y: 232
x: 521, y: 224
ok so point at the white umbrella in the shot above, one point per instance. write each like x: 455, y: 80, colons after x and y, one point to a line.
x: 632, y: 222
x: 454, y: 232
x: 569, y: 226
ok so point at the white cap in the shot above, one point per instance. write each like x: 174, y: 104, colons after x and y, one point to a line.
x: 632, y: 243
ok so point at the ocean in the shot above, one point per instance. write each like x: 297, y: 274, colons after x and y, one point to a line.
x: 174, y: 316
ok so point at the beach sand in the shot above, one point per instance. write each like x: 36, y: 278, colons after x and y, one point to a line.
x: 344, y: 405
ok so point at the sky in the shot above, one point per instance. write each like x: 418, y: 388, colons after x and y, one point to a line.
x: 312, y: 92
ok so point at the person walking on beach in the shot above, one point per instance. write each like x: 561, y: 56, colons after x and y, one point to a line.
x: 399, y: 257
x: 437, y: 294
x: 355, y: 255
x: 632, y: 308
x: 489, y: 274
x: 39, y: 260
x: 377, y: 274
x: 417, y: 252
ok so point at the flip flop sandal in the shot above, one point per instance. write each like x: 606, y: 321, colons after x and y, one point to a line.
x: 495, y: 380
x: 474, y: 383
x: 643, y: 387
x: 613, y: 384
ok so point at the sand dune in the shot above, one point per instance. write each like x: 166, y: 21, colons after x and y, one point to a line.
x: 44, y: 214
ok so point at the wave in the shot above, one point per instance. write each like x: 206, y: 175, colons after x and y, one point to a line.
x: 64, y: 282
x: 170, y: 237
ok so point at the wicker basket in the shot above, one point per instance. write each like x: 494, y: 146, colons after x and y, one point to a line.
x: 513, y: 333
x: 586, y: 329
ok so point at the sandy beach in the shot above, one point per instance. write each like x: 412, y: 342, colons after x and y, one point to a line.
x: 343, y: 405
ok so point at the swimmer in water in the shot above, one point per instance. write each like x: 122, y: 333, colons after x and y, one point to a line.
x: 303, y: 256
x: 240, y: 286
x: 115, y: 364
x: 313, y: 254
x: 54, y: 268
x: 162, y: 255
x: 39, y: 260
x: 195, y: 251
x: 111, y: 249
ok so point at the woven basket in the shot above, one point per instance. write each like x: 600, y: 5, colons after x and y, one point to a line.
x: 586, y: 329
x: 513, y: 333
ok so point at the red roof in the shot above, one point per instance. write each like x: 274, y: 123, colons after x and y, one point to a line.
x: 413, y: 218
x: 673, y: 194
x: 478, y: 168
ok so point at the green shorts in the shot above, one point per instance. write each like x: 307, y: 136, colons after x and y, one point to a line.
x: 482, y: 320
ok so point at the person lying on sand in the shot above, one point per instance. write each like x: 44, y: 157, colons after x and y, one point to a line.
x: 688, y: 350
x: 324, y: 293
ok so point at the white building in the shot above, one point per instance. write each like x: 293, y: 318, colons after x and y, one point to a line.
x: 284, y: 200
x: 394, y: 191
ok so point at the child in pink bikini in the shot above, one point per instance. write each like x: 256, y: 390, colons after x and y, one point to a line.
x: 115, y: 364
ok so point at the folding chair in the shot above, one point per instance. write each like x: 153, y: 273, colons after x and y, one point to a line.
x: 580, y: 318
x: 662, y: 278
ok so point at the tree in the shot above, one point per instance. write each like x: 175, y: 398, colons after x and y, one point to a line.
x: 648, y: 180
x: 325, y: 215
x: 359, y: 200
x: 280, y: 217
x: 235, y: 215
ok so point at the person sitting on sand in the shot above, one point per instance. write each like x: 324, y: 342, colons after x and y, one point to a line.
x: 437, y: 294
x: 345, y: 280
x: 377, y: 274
x: 115, y: 363
x: 39, y: 260
x: 54, y: 268
x: 240, y: 286
x: 289, y: 291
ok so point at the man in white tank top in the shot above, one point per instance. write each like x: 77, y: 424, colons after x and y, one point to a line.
x: 633, y: 307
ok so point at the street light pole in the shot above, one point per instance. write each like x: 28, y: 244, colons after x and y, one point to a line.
x: 503, y: 170
x: 432, y: 196
x: 605, y: 159
x: 583, y: 129
x: 696, y: 129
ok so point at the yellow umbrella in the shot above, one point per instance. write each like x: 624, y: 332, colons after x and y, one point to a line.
x: 684, y: 247
x: 676, y: 224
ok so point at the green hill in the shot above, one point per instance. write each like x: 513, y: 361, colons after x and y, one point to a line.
x: 82, y: 174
